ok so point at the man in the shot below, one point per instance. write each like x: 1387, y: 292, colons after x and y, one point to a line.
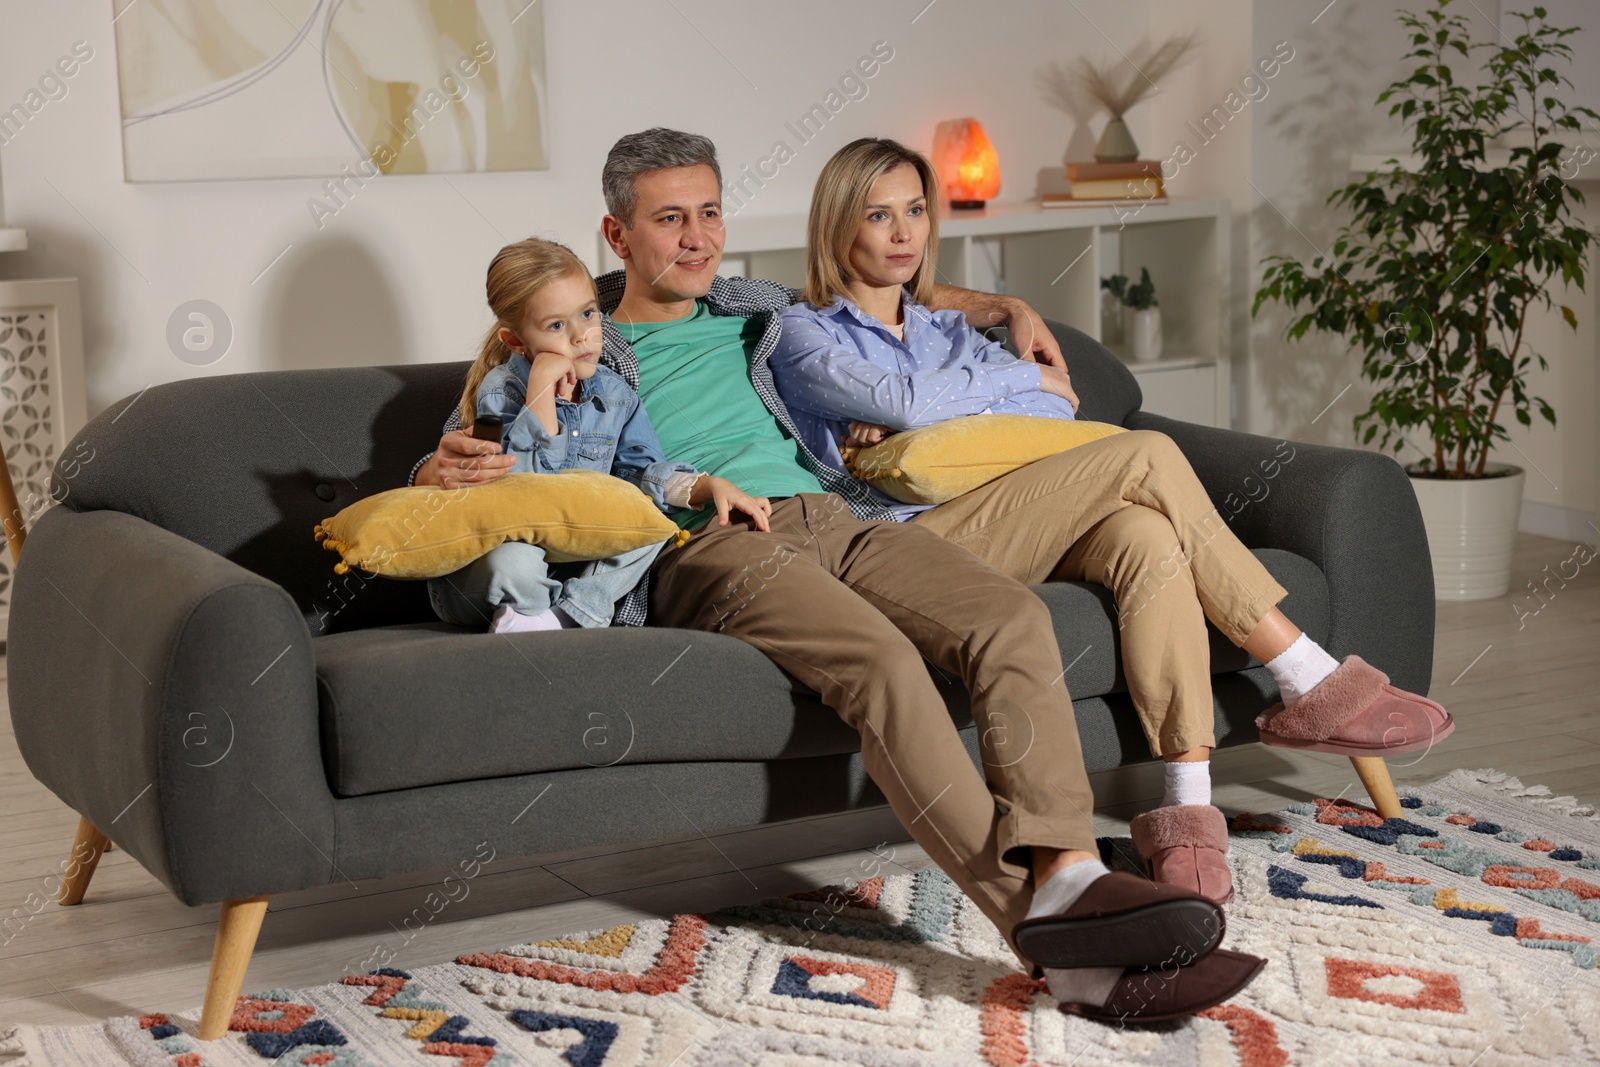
x: 851, y: 606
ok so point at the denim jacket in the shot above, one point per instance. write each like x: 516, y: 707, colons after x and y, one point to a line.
x: 606, y: 429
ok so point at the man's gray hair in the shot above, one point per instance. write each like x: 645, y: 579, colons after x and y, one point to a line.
x: 657, y: 148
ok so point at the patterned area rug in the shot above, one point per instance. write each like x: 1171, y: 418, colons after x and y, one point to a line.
x: 1464, y: 933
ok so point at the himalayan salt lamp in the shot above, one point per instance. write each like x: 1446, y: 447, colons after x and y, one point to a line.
x: 966, y: 163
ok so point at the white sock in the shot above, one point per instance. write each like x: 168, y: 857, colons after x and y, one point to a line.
x: 508, y: 620
x: 1065, y: 886
x: 567, y: 621
x: 1299, y: 668
x: 1188, y: 783
x: 1079, y: 985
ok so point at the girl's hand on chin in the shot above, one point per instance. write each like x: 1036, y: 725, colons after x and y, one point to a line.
x: 552, y: 366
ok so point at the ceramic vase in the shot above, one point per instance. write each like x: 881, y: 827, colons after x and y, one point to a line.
x: 1143, y: 329
x: 1472, y: 526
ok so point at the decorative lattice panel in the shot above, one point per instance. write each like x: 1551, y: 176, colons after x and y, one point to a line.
x: 28, y: 418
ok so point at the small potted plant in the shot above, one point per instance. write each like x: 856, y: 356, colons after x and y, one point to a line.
x: 1141, y: 315
x: 1438, y: 269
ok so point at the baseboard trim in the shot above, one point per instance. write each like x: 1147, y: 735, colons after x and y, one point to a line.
x: 1552, y: 520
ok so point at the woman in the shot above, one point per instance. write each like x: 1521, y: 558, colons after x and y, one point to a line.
x: 862, y: 357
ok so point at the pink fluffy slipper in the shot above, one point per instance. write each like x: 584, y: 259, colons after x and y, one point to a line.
x: 1356, y: 712
x: 1186, y: 846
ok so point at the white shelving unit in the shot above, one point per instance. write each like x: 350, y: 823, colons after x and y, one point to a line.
x: 1054, y: 258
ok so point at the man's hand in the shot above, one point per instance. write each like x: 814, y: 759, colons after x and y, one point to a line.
x: 864, y: 434
x: 1032, y: 338
x: 729, y: 498
x: 1057, y: 381
x: 463, y: 460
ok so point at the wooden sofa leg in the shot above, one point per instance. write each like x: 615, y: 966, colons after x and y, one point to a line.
x: 237, y: 928
x: 86, y: 850
x: 1374, y: 774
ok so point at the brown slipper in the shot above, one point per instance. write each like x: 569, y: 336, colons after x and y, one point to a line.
x: 1123, y: 920
x: 1186, y: 846
x: 1356, y: 712
x: 1155, y: 995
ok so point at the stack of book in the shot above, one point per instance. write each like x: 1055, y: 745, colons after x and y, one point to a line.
x: 1099, y: 183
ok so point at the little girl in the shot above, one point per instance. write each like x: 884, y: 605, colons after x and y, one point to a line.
x: 538, y: 374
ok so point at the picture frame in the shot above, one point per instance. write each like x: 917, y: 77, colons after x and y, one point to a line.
x: 215, y: 90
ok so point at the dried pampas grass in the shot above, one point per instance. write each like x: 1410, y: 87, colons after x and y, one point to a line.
x: 1068, y: 85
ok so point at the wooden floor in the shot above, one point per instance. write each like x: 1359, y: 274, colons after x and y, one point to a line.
x: 1526, y: 697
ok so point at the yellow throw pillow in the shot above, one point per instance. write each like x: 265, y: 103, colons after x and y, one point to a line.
x: 940, y: 462
x: 425, y: 532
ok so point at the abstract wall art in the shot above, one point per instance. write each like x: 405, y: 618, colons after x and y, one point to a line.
x: 220, y: 89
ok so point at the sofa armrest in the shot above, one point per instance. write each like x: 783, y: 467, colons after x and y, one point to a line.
x: 168, y: 695
x: 1351, y: 512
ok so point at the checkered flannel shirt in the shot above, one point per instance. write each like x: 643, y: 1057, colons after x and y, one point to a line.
x: 728, y: 296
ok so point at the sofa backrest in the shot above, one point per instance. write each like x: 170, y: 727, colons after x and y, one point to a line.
x: 1107, y: 390
x: 247, y: 464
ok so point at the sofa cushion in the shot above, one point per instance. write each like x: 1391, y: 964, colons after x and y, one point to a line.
x: 428, y: 703
x: 426, y: 532
x: 933, y: 464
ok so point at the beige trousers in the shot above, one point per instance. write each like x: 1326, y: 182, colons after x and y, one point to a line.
x: 1127, y: 512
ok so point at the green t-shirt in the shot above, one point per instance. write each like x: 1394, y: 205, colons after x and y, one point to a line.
x: 694, y: 381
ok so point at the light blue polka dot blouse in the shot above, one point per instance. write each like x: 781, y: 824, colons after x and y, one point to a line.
x: 838, y: 363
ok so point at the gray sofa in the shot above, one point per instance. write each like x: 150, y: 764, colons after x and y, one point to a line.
x: 187, y: 672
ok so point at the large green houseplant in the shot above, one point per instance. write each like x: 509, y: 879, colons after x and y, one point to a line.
x: 1444, y: 257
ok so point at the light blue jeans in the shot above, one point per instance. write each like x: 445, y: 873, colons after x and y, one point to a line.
x: 517, y: 573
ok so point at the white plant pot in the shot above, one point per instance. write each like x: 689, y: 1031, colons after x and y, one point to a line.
x: 1113, y: 320
x: 1144, y: 334
x: 1472, y: 526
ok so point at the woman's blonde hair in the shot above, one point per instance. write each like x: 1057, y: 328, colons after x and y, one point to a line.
x: 836, y: 205
x: 517, y: 272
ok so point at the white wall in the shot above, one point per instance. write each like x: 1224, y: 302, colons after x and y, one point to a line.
x: 1219, y: 167
x: 397, y: 276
